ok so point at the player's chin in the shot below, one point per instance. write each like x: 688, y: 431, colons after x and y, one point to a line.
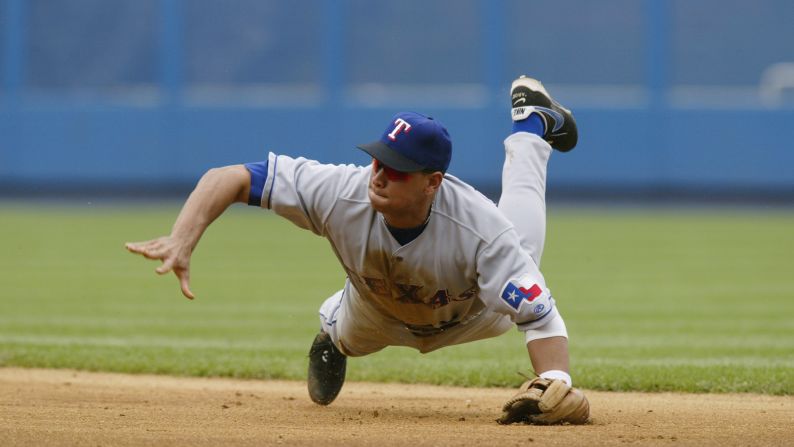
x: 378, y: 202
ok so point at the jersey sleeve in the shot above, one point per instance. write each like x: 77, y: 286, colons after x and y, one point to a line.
x: 258, y: 171
x: 511, y: 283
x: 300, y: 190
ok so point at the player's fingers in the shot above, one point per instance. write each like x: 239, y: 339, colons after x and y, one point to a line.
x: 154, y: 253
x: 155, y: 250
x: 143, y: 243
x: 134, y: 247
x: 184, y: 282
x: 168, y: 264
x: 143, y: 248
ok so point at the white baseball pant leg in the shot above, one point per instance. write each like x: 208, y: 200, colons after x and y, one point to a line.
x: 523, y: 202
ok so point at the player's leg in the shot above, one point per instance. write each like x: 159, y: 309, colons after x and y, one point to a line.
x: 357, y: 329
x: 327, y: 364
x: 523, y: 199
x: 348, y: 328
x: 540, y: 123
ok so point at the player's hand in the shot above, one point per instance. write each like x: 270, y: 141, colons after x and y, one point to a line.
x: 175, y: 255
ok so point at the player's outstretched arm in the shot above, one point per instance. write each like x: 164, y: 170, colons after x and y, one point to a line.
x: 217, y: 189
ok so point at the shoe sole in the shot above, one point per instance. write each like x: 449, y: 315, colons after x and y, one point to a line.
x: 325, y: 384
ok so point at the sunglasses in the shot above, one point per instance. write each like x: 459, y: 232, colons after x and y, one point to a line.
x: 392, y: 174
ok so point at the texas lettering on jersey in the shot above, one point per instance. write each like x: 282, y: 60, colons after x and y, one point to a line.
x: 410, y: 293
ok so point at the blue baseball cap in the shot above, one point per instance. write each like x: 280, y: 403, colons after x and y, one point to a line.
x: 412, y: 142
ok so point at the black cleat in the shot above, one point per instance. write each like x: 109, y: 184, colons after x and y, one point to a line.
x: 326, y: 370
x: 528, y: 96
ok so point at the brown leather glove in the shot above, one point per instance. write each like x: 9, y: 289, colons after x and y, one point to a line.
x: 545, y: 402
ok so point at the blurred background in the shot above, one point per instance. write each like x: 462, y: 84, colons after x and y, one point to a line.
x: 681, y: 103
x: 674, y: 99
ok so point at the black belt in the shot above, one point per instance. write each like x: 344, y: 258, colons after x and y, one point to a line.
x: 428, y: 329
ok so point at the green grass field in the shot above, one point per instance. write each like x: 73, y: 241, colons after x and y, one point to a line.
x: 656, y: 300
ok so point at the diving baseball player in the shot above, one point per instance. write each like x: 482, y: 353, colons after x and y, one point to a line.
x: 430, y: 262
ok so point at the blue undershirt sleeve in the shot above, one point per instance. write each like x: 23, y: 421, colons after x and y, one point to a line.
x: 258, y: 172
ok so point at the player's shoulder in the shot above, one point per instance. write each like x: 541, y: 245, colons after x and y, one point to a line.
x: 323, y: 181
x: 299, y: 162
x: 460, y: 204
x: 306, y: 169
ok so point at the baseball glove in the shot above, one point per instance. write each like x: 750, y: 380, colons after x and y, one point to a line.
x: 546, y: 401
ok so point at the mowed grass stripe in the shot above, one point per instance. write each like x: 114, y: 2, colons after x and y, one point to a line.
x: 263, y: 345
x: 144, y: 341
x: 653, y: 299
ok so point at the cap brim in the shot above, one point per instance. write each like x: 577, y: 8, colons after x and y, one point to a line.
x: 391, y: 158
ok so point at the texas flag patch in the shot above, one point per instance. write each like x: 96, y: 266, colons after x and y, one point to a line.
x: 514, y: 294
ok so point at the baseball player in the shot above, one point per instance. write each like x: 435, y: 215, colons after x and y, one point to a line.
x: 430, y: 262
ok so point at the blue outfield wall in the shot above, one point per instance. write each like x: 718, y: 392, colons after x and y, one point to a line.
x: 669, y: 95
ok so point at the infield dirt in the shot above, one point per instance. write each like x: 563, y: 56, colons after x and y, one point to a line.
x: 60, y: 407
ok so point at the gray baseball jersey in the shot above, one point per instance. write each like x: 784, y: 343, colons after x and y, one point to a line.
x: 466, y: 266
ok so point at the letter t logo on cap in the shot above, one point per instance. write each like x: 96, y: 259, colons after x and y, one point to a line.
x: 400, y: 126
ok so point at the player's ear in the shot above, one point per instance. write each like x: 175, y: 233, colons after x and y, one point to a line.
x: 433, y: 182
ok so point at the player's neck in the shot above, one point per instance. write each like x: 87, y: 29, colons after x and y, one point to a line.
x: 409, y: 220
